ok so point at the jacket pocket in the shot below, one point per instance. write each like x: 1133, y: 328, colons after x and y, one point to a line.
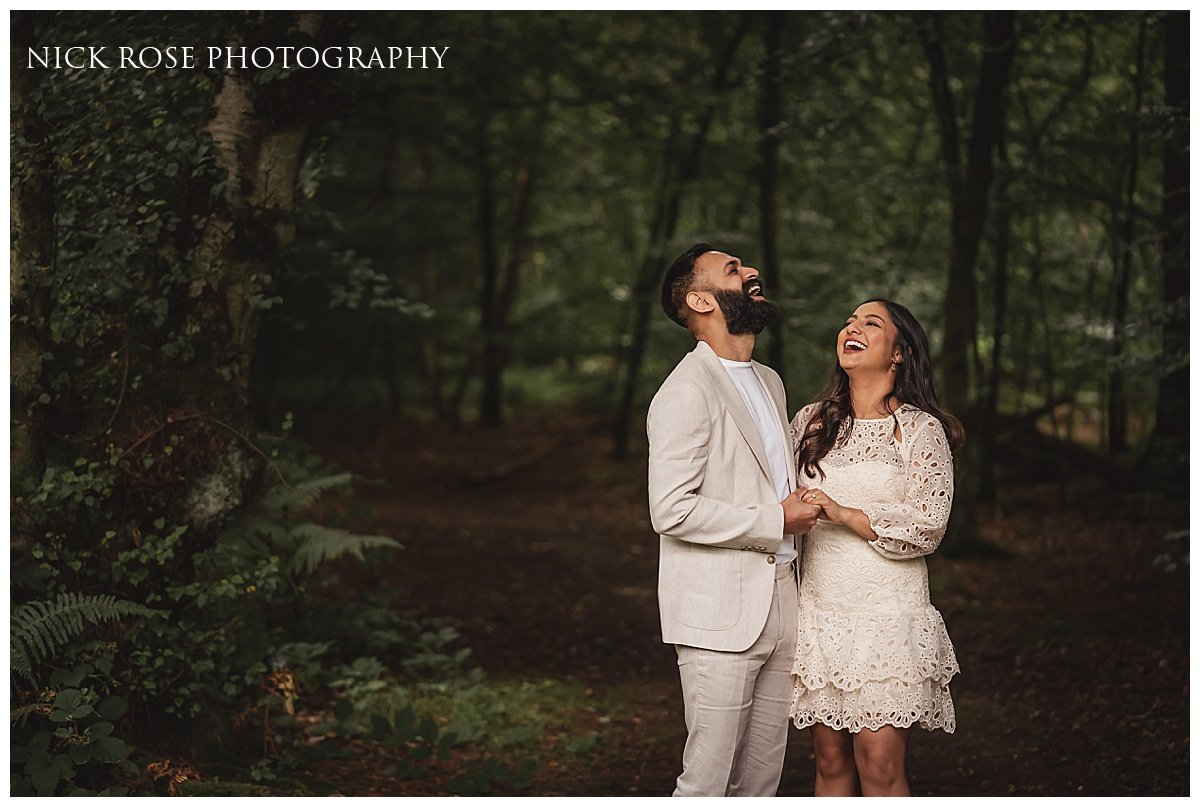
x: 710, y: 589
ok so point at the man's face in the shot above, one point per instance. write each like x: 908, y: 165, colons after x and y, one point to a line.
x: 737, y: 291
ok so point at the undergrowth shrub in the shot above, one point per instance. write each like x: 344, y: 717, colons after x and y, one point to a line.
x: 191, y: 637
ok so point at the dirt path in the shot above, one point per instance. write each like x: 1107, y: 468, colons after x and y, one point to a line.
x: 1074, y: 651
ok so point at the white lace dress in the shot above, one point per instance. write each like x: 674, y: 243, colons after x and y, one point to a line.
x: 872, y: 650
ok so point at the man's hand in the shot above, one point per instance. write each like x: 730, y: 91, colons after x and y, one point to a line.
x: 798, y: 515
x: 832, y: 511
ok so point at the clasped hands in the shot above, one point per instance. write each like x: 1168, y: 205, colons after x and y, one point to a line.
x: 804, y: 506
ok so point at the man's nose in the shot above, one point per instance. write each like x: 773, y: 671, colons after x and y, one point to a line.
x: 749, y: 273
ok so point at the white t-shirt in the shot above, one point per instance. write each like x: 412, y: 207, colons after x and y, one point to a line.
x: 769, y: 429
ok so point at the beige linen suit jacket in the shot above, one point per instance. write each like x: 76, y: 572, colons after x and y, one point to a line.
x: 714, y: 505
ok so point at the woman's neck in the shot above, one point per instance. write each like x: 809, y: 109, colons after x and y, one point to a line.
x: 868, y: 396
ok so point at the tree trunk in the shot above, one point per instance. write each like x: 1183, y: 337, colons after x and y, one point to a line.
x: 1034, y: 146
x: 770, y: 130
x: 1000, y: 253
x: 431, y: 358
x: 969, y: 192
x: 259, y: 134
x: 502, y: 283
x: 675, y: 181
x: 490, y: 414
x: 1118, y: 438
x: 1166, y: 459
x: 31, y: 255
x: 1049, y: 373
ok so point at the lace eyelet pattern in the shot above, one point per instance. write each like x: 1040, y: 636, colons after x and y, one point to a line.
x: 872, y: 650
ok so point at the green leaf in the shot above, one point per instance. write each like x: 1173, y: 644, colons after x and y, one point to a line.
x: 407, y: 771
x: 428, y: 730
x: 111, y: 749
x: 70, y: 678
x: 446, y: 742
x: 40, y: 744
x: 112, y: 707
x: 68, y: 700
x: 380, y: 725
x: 343, y: 710
x: 98, y: 730
x: 46, y: 779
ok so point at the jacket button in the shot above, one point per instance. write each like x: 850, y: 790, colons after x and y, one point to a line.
x: 770, y: 558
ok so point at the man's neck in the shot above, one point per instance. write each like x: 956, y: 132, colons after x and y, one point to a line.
x: 728, y: 346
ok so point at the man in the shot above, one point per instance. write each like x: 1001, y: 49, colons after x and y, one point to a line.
x: 721, y: 476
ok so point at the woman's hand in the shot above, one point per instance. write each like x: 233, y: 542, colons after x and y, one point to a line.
x: 850, y: 517
x: 833, y: 512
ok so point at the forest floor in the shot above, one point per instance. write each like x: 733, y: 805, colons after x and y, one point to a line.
x: 538, y: 546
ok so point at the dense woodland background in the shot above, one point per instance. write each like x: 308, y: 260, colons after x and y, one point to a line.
x: 227, y: 285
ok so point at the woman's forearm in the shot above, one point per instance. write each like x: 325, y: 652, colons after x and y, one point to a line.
x: 856, y: 520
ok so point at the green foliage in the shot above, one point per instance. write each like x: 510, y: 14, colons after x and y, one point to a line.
x: 227, y: 605
x: 485, y: 777
x: 584, y: 743
x: 1176, y: 553
x: 119, y: 365
x: 488, y: 723
x: 69, y: 748
x: 217, y: 650
x: 318, y: 544
x: 38, y: 629
x: 216, y: 787
x: 861, y: 194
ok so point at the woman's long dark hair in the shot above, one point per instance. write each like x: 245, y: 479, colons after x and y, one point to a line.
x: 831, y: 423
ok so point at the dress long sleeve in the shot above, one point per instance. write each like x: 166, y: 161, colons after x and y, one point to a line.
x: 800, y: 423
x: 916, y: 525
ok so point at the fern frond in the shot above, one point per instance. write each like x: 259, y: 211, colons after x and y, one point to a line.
x: 319, y: 544
x: 38, y: 629
x: 20, y: 662
x: 19, y: 715
x: 253, y: 531
x: 294, y: 498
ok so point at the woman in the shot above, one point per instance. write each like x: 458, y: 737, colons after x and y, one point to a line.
x: 873, y: 656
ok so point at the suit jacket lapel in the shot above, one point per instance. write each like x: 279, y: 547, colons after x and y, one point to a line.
x: 734, y: 402
x: 784, y: 425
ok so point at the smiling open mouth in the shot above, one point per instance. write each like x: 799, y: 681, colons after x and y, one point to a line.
x: 753, y: 289
x: 853, y: 346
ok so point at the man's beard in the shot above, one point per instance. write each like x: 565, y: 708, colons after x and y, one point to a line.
x: 743, y: 315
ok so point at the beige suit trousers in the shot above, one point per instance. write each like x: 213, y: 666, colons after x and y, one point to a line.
x: 736, y: 706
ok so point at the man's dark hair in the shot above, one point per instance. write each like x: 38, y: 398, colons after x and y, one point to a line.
x: 678, y: 281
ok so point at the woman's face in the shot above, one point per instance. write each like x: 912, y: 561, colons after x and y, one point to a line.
x: 867, y: 342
